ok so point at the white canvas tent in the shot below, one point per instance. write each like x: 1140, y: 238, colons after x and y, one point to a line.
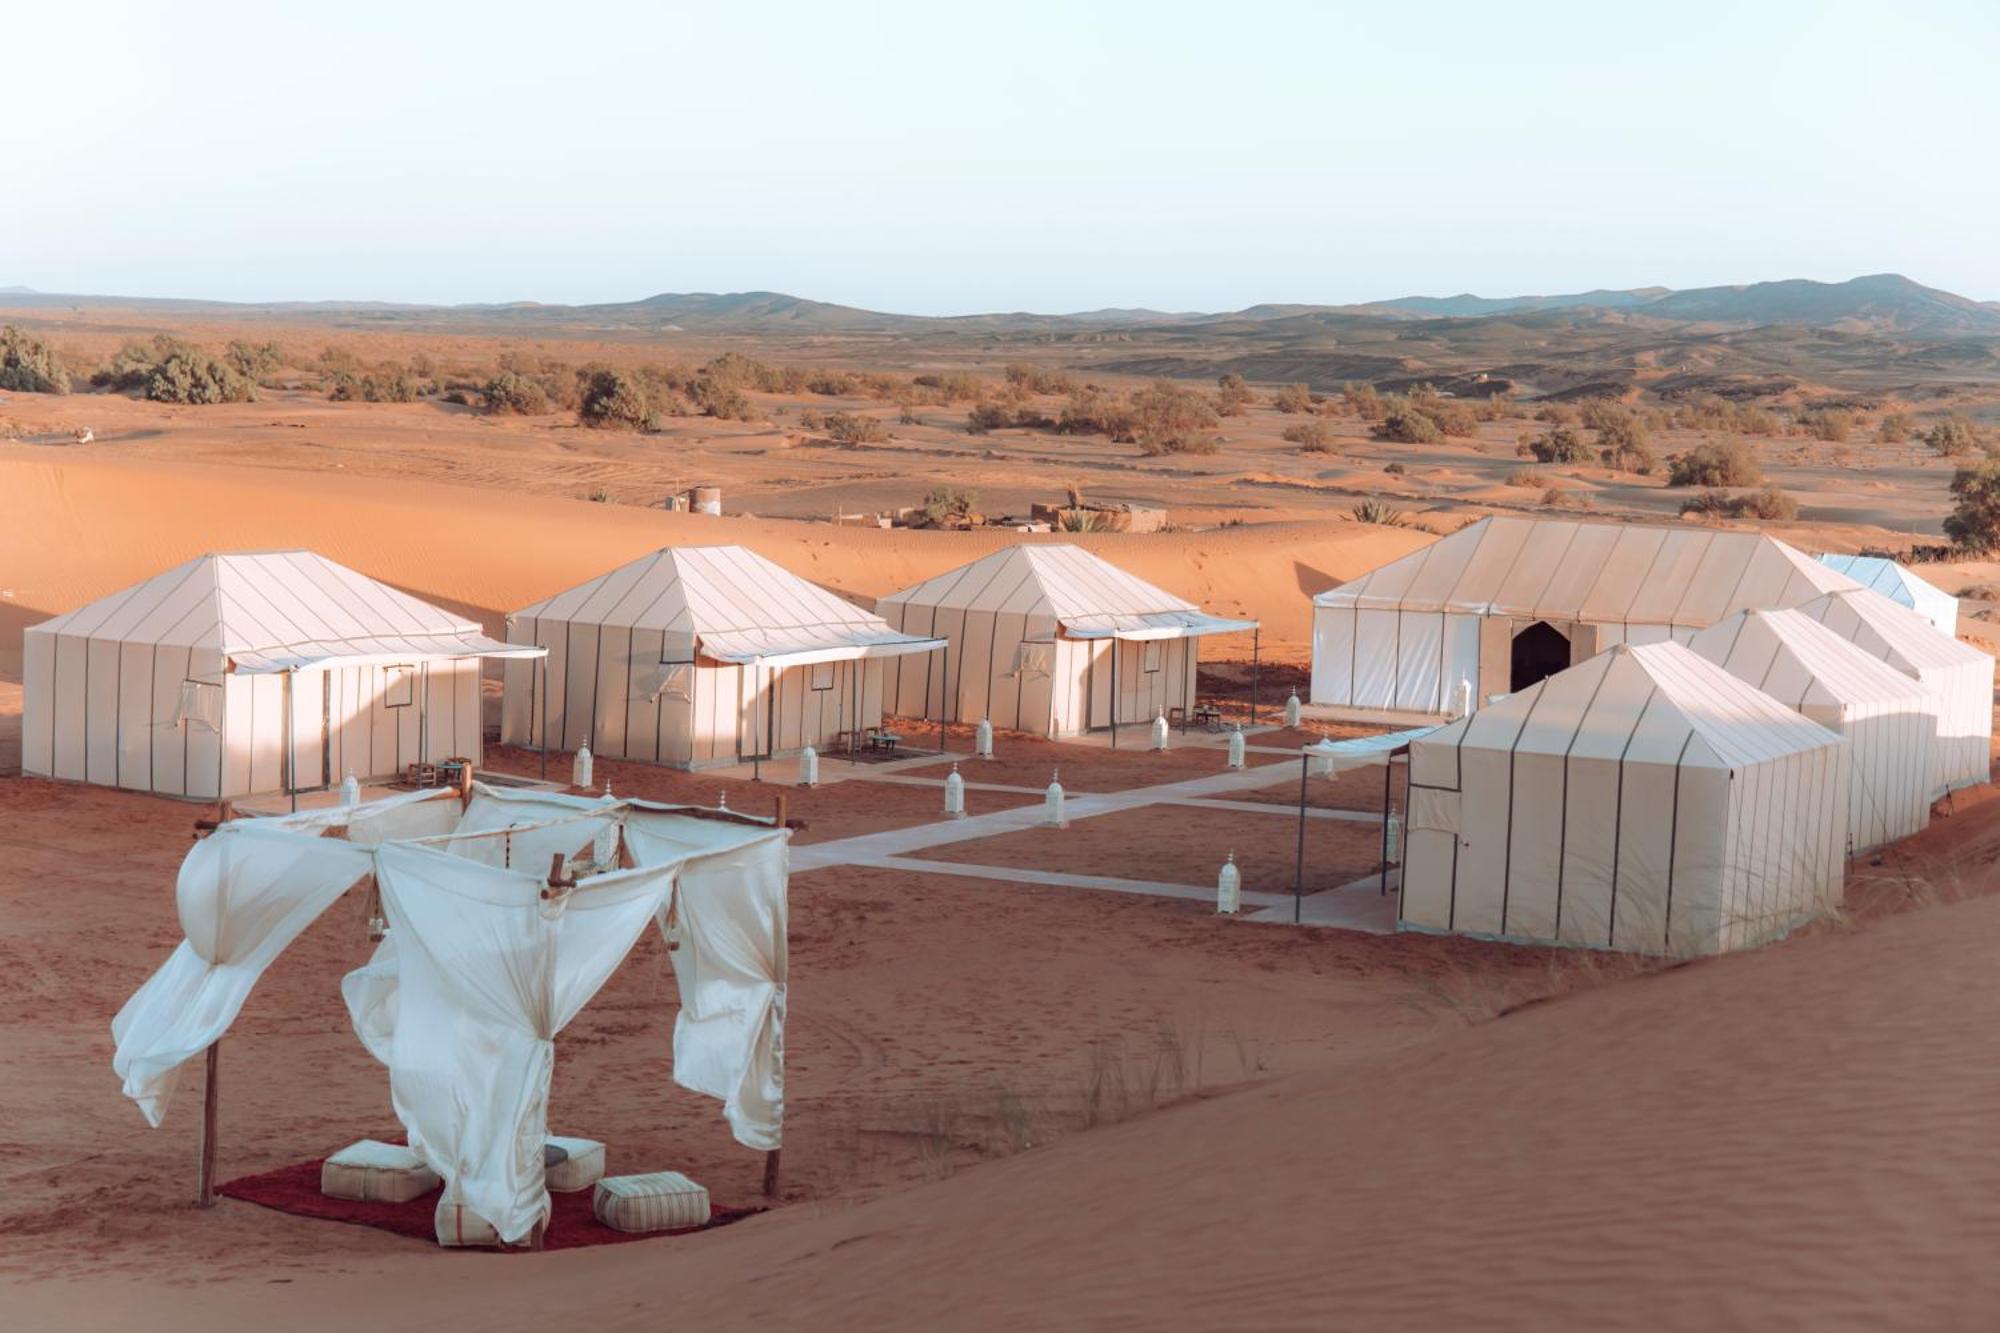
x: 1889, y: 719
x: 1506, y: 601
x: 1958, y: 676
x: 1039, y: 633
x: 1646, y: 800
x: 485, y: 960
x: 698, y: 655
x: 232, y: 675
x: 1901, y: 585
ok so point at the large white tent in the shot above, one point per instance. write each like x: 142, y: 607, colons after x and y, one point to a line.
x: 698, y: 655
x: 1889, y: 719
x: 1039, y: 633
x: 1901, y: 585
x: 485, y: 960
x: 232, y: 675
x: 1646, y: 800
x: 1958, y: 676
x: 1505, y: 601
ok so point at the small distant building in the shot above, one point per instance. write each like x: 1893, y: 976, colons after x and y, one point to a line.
x: 1099, y: 516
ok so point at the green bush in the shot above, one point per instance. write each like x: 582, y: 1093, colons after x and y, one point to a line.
x: 388, y: 386
x: 1622, y: 444
x: 1095, y: 411
x: 29, y: 365
x: 1170, y: 419
x: 1559, y: 444
x: 1767, y: 502
x: 510, y: 391
x: 189, y: 375
x: 254, y: 360
x: 1406, y: 424
x: 987, y: 416
x: 613, y: 400
x: 949, y: 504
x: 1954, y: 437
x: 1731, y: 464
x: 720, y: 398
x: 1974, y: 521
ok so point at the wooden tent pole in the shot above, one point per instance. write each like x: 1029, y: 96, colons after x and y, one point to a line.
x: 204, y: 1190
x: 771, y: 1173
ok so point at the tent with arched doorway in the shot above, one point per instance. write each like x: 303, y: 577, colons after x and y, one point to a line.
x: 1506, y: 602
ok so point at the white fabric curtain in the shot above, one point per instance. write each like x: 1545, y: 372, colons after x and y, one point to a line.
x: 244, y: 893
x: 729, y: 1039
x: 495, y: 972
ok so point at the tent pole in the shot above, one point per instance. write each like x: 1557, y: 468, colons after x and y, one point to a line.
x: 1114, y: 691
x: 947, y: 680
x: 854, y: 721
x: 1299, y: 869
x: 771, y: 1173
x: 291, y: 738
x: 545, y: 716
x: 1256, y: 654
x: 204, y: 1190
x: 1388, y: 772
x: 757, y: 728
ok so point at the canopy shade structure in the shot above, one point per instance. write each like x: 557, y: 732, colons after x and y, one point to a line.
x: 698, y: 655
x: 486, y: 958
x: 1646, y: 800
x: 1034, y: 630
x: 1958, y: 677
x: 1888, y: 718
x: 1506, y: 601
x: 1900, y: 585
x: 231, y: 675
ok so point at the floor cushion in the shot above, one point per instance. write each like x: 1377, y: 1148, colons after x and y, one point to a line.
x: 458, y: 1225
x: 576, y: 1165
x: 661, y: 1201
x: 376, y: 1172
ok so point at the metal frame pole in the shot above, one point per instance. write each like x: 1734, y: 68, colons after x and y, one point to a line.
x: 946, y: 650
x: 756, y: 728
x: 545, y: 716
x: 1388, y: 775
x: 1299, y: 869
x: 291, y: 738
x: 1114, y: 691
x: 1256, y: 653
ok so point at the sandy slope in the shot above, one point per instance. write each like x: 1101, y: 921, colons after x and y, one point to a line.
x: 75, y: 529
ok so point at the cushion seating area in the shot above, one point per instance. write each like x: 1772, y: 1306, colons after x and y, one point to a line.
x: 372, y: 1171
x: 575, y: 1164
x: 659, y: 1201
x: 458, y: 1225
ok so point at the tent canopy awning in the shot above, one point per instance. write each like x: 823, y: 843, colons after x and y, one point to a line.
x: 1337, y: 757
x: 1151, y: 625
x: 802, y: 645
x: 384, y: 650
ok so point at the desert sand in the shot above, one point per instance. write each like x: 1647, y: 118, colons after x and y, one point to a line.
x: 1010, y: 1106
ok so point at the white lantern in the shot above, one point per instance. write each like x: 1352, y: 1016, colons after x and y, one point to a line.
x: 1052, y: 803
x: 1464, y: 697
x: 1236, y: 748
x: 1229, y: 888
x: 580, y: 771
x: 809, y: 767
x: 1292, y: 711
x: 1322, y: 758
x: 350, y: 790
x: 1392, y: 840
x: 954, y: 794
x: 982, y: 740
x: 1160, y: 731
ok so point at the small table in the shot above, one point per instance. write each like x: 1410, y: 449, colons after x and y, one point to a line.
x: 883, y: 742
x: 1208, y: 717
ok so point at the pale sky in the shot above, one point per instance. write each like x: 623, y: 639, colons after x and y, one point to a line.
x: 945, y: 157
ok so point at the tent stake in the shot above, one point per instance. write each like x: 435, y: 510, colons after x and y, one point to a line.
x: 204, y: 1190
x: 1299, y: 869
x: 771, y: 1173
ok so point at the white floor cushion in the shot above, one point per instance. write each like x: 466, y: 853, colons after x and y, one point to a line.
x: 582, y: 1165
x: 662, y: 1201
x: 377, y: 1173
x: 459, y: 1225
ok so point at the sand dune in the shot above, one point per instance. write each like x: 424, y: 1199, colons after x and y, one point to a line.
x: 75, y: 529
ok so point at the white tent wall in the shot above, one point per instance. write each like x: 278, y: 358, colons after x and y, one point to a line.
x: 1402, y: 661
x: 983, y: 677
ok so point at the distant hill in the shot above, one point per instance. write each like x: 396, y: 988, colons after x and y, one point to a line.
x: 1468, y: 305
x: 1882, y: 301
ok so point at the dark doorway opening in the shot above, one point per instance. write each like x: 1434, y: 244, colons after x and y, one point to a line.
x: 1540, y: 651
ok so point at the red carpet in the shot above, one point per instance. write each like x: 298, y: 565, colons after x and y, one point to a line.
x: 295, y: 1189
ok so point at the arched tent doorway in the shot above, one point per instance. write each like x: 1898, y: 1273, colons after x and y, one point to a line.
x: 1540, y: 651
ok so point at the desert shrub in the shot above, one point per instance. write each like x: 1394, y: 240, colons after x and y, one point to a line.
x: 952, y: 386
x: 1095, y: 411
x: 1232, y: 395
x: 1378, y: 511
x: 1293, y: 398
x: 29, y: 365
x: 1363, y: 401
x: 720, y: 399
x: 614, y: 400
x: 254, y: 360
x: 511, y: 391
x: 1555, y: 497
x: 949, y: 504
x: 126, y: 372
x: 1954, y: 437
x: 855, y: 428
x: 1622, y: 444
x: 1394, y: 469
x: 1829, y: 424
x: 1407, y: 424
x: 1452, y: 417
x: 1730, y: 464
x: 1895, y: 428
x: 1527, y: 477
x: 186, y: 374
x: 831, y: 383
x: 1559, y: 444
x: 1597, y: 413
x: 1312, y: 437
x: 387, y: 386
x: 1555, y: 414
x: 987, y: 416
x: 1170, y: 419
x: 1974, y: 521
x: 1766, y: 502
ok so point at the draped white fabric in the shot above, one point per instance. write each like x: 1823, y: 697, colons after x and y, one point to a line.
x: 243, y: 895
x: 496, y: 973
x: 731, y: 966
